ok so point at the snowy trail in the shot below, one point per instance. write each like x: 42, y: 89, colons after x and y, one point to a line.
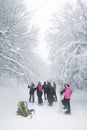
x: 46, y: 117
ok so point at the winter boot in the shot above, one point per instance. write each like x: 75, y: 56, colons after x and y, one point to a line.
x: 67, y: 112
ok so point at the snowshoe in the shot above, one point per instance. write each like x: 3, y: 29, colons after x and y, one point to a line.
x: 32, y: 110
x: 19, y: 113
x: 67, y: 112
x: 64, y: 107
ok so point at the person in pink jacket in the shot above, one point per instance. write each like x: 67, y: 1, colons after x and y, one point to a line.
x: 67, y: 94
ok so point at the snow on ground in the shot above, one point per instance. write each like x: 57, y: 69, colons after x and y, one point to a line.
x: 46, y: 117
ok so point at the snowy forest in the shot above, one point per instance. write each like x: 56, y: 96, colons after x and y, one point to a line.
x: 43, y: 41
x: 66, y: 40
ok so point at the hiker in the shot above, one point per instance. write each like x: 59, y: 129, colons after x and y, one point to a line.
x: 66, y: 101
x: 39, y: 93
x: 45, y: 90
x: 31, y: 92
x: 54, y: 92
x: 49, y: 93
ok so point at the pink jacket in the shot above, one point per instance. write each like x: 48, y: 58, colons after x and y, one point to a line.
x: 67, y: 93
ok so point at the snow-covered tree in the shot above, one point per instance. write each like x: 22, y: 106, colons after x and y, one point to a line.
x: 68, y: 44
x: 17, y: 39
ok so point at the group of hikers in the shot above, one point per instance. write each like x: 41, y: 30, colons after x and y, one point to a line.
x: 48, y: 90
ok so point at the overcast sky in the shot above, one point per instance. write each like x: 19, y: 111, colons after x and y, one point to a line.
x: 43, y: 9
x: 42, y: 14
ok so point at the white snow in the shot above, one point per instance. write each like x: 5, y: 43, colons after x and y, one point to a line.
x: 46, y: 117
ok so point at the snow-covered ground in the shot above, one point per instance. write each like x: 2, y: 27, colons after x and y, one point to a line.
x: 46, y: 117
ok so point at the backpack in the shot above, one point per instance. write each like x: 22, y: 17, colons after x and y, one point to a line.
x: 23, y: 108
x: 40, y: 88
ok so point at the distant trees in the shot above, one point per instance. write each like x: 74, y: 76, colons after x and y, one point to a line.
x: 67, y: 39
x: 18, y: 38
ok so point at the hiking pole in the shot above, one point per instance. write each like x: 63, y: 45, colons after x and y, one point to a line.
x: 60, y: 103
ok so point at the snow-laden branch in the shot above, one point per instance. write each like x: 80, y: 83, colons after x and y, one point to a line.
x: 12, y: 60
